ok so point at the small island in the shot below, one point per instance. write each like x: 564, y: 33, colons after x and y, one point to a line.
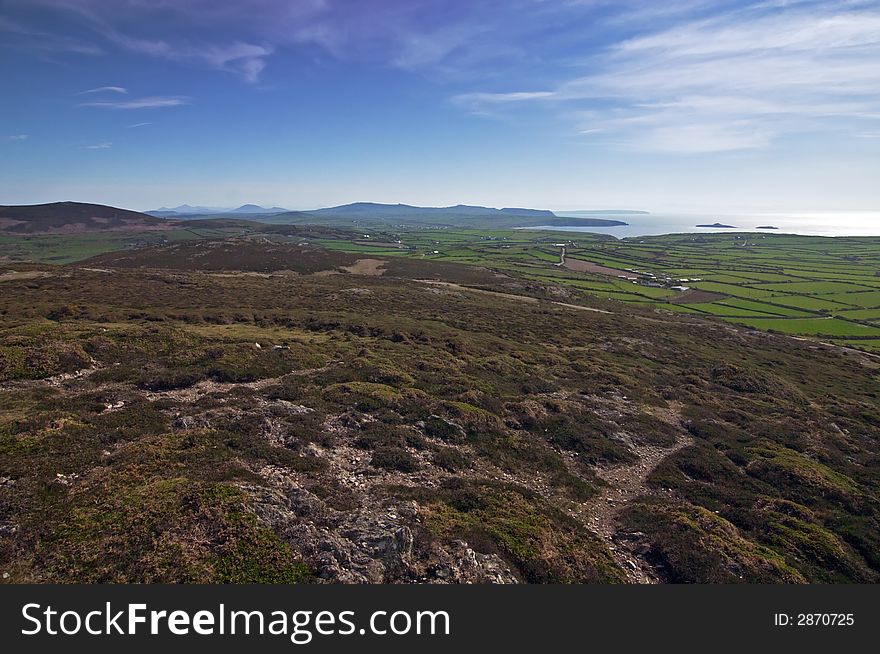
x: 766, y: 227
x: 719, y: 225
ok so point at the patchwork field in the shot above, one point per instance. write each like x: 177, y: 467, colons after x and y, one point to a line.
x: 827, y: 288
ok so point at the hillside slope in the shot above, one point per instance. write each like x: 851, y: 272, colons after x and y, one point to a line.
x: 299, y: 415
x: 73, y: 217
x: 376, y: 214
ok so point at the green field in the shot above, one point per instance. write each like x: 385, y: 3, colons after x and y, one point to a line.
x: 871, y: 315
x: 807, y: 286
x: 865, y: 300
x: 790, y: 284
x: 69, y: 248
x: 813, y: 326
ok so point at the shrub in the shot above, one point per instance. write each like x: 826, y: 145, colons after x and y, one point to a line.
x: 394, y: 458
x: 451, y: 459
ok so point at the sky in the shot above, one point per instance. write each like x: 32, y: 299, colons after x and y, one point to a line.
x: 682, y: 105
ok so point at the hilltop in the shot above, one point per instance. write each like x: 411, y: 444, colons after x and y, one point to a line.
x: 72, y: 218
x: 460, y: 215
x: 377, y: 214
x: 243, y: 410
x: 391, y: 210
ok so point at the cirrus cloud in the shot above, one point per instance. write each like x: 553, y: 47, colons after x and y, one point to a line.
x: 105, y: 89
x: 140, y: 103
x: 739, y: 80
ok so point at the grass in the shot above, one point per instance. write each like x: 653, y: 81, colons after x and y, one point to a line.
x: 469, y: 416
x: 807, y: 302
x: 867, y: 300
x: 814, y: 287
x: 832, y: 327
x: 860, y: 314
x: 541, y: 543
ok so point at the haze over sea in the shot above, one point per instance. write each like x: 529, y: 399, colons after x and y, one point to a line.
x: 806, y: 224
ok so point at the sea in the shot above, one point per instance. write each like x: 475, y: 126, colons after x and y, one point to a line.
x: 806, y: 224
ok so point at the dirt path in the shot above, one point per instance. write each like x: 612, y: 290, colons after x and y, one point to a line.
x: 510, y: 296
x: 185, y: 395
x: 852, y: 350
x: 192, y: 393
x: 54, y: 381
x: 626, y: 483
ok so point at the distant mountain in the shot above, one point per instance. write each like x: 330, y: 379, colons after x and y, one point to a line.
x: 374, y: 213
x: 186, y: 211
x: 257, y: 209
x: 459, y: 215
x: 392, y: 210
x: 72, y: 218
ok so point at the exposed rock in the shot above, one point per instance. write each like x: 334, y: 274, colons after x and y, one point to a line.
x: 372, y: 544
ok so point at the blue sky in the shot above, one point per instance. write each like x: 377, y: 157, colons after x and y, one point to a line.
x: 684, y: 105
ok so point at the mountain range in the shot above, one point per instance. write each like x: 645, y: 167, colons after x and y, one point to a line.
x: 79, y: 217
x: 391, y: 210
x: 186, y: 210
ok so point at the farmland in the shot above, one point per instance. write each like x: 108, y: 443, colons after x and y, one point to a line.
x: 827, y: 288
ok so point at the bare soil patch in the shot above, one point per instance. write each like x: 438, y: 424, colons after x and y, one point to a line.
x: 509, y: 296
x: 13, y: 275
x: 696, y: 296
x: 579, y: 265
x: 370, y: 267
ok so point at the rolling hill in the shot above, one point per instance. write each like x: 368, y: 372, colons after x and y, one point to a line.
x: 73, y: 218
x: 460, y: 215
x: 377, y: 214
x: 247, y: 411
x: 390, y: 210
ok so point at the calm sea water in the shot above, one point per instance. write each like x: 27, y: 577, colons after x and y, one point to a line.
x: 826, y: 224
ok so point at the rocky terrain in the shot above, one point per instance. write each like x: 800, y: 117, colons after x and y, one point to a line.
x: 299, y: 416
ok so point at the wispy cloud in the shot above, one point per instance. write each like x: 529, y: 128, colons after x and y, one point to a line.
x: 18, y: 137
x: 738, y: 80
x: 139, y: 125
x: 244, y: 59
x: 105, y: 89
x: 43, y: 43
x: 240, y: 37
x: 679, y: 76
x: 141, y: 103
x: 98, y: 146
x: 471, y: 99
